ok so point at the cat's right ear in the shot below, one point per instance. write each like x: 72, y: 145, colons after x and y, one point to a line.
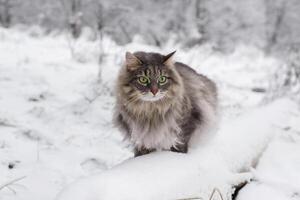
x: 168, y: 59
x: 132, y: 62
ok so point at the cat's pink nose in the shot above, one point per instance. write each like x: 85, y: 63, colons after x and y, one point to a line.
x: 154, y: 90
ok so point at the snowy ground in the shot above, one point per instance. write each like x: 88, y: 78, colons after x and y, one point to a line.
x: 55, y: 118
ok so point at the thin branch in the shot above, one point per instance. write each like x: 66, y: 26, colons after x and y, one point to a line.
x: 12, y: 190
x: 213, y: 193
x: 6, y: 185
x: 215, y: 190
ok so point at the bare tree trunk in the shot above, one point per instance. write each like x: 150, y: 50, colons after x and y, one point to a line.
x: 155, y: 38
x: 75, y: 18
x: 5, y: 13
x: 100, y: 25
x: 125, y: 32
x: 279, y: 14
x: 72, y: 8
x: 202, y: 17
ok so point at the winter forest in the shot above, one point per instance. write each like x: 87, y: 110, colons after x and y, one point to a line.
x: 59, y: 62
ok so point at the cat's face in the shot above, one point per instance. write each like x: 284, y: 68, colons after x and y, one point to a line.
x: 151, y: 82
x: 149, y: 77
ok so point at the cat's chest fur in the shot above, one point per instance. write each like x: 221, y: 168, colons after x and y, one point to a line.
x: 162, y: 136
x: 155, y: 128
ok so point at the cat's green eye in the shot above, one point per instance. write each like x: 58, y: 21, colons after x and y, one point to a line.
x: 162, y: 80
x: 144, y: 80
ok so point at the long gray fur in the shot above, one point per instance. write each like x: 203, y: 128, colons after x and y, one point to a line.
x: 188, y: 108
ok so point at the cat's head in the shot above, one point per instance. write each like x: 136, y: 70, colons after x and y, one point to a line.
x: 149, y: 77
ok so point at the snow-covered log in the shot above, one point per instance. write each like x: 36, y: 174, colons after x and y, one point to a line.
x: 223, y: 163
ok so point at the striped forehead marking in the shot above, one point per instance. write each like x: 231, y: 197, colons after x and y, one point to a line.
x: 152, y: 71
x: 148, y: 72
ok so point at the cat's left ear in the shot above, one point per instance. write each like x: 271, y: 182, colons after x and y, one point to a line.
x: 168, y: 59
x: 132, y: 62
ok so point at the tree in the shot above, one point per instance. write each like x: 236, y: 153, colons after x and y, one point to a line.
x: 73, y: 10
x: 5, y: 13
x: 274, y: 21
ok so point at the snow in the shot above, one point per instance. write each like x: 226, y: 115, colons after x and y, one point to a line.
x: 277, y: 174
x: 55, y: 126
x: 216, y: 165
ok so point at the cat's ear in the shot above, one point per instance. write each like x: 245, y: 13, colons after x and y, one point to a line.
x: 168, y: 58
x: 132, y: 62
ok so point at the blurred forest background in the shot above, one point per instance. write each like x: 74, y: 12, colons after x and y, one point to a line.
x: 270, y: 25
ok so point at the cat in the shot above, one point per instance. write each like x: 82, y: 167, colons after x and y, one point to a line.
x: 162, y: 104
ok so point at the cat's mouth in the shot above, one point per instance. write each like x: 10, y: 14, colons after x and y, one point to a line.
x: 151, y: 97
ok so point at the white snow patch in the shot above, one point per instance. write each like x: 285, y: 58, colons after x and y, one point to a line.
x: 55, y: 125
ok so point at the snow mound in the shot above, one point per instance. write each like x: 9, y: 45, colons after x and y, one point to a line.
x: 223, y: 163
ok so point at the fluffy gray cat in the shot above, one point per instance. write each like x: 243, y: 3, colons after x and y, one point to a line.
x: 161, y: 104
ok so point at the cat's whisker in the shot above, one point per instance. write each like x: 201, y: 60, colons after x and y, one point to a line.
x: 131, y: 100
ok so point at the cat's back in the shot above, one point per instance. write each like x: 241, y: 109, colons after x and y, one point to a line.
x: 194, y: 80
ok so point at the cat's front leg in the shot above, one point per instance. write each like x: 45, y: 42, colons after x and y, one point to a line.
x: 192, y: 121
x: 180, y: 148
x: 142, y: 151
